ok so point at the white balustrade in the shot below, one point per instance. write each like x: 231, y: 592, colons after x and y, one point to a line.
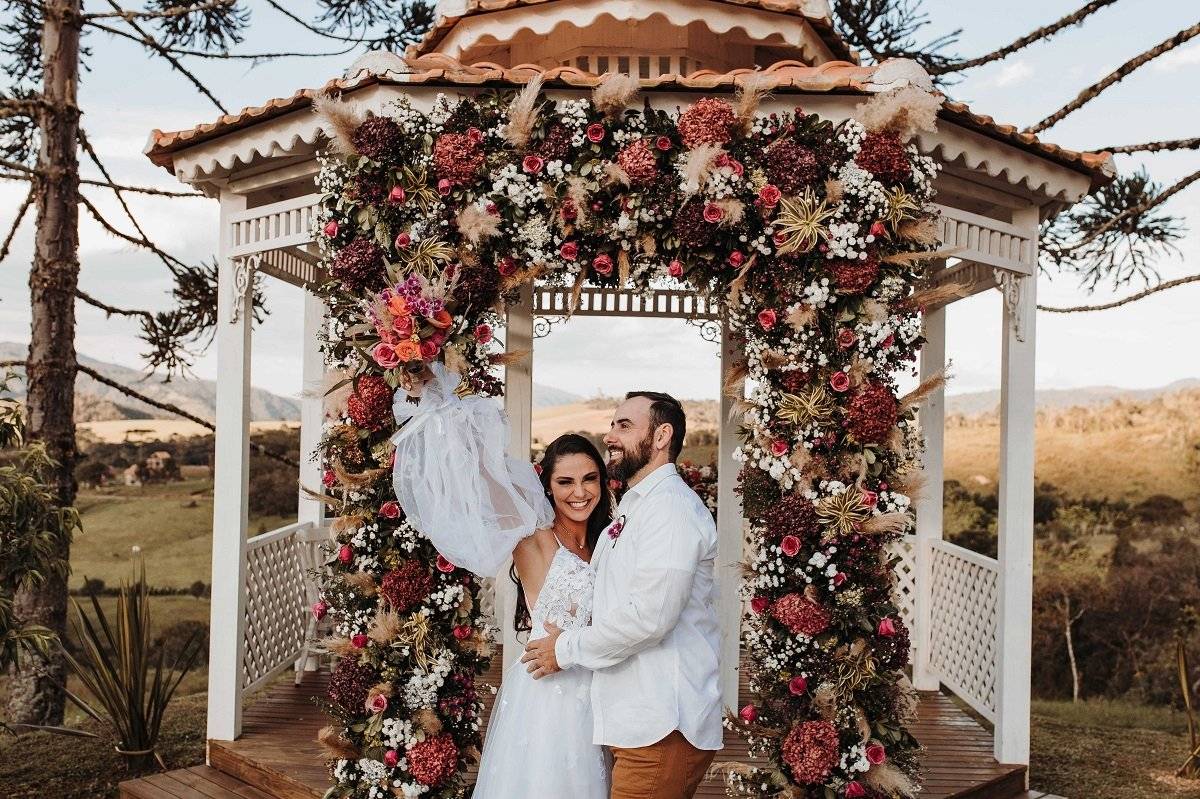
x: 287, y: 223
x: 279, y: 593
x: 904, y: 593
x: 964, y: 603
x: 981, y: 239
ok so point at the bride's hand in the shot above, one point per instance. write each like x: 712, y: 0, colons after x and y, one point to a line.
x: 413, y: 379
x: 539, y: 657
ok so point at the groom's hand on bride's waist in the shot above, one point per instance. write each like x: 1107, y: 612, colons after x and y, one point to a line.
x: 539, y: 656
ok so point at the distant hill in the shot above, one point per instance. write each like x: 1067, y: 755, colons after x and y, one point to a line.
x: 977, y: 402
x: 550, y: 397
x: 100, y: 402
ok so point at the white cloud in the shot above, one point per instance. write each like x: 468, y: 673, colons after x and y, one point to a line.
x: 1013, y: 73
x: 1178, y: 58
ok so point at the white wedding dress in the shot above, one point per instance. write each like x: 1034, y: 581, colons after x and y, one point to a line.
x: 459, y: 489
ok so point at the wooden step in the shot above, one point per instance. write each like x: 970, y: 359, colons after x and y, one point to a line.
x: 270, y: 765
x: 198, y: 782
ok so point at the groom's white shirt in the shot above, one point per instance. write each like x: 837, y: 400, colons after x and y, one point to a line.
x: 654, y: 639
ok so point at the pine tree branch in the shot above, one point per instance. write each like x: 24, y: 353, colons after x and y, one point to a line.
x: 1140, y: 208
x: 171, y: 261
x: 127, y: 15
x: 149, y: 42
x: 1170, y: 284
x: 1117, y: 75
x: 1036, y: 36
x: 1152, y: 147
x: 184, y: 51
x: 12, y: 231
x: 318, y: 31
x: 13, y: 165
x: 110, y: 309
x: 108, y: 184
x: 175, y: 409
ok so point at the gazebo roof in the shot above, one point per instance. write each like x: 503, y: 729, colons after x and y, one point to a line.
x: 815, y: 13
x: 789, y: 77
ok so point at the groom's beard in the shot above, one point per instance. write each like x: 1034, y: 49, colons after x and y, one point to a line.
x: 630, y: 463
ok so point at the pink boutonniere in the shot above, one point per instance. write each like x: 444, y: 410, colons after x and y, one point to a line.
x: 614, y: 529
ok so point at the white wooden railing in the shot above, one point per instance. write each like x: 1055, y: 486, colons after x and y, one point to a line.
x: 279, y: 594
x: 964, y: 612
x: 905, y: 591
x: 983, y: 240
x: 287, y: 223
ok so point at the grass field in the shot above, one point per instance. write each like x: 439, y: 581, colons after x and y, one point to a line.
x: 171, y: 522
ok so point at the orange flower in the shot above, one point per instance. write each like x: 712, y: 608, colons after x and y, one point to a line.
x: 403, y: 326
x: 441, y: 319
x: 408, y: 351
x: 397, y: 305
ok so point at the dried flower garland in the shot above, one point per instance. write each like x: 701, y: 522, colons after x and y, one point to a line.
x: 812, y: 231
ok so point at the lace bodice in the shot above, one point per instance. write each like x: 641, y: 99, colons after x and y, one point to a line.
x: 566, y: 595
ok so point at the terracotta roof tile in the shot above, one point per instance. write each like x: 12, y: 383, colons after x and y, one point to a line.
x: 438, y: 69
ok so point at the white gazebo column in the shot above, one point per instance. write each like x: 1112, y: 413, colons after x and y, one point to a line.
x: 518, y: 405
x: 312, y: 419
x: 932, y: 416
x: 1015, y: 522
x: 231, y: 466
x: 730, y: 535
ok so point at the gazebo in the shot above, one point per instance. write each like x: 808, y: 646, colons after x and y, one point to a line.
x: 971, y: 614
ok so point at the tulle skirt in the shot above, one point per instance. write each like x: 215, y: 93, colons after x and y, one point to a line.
x: 538, y: 743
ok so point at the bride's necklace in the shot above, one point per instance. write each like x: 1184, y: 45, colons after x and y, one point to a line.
x: 564, y: 539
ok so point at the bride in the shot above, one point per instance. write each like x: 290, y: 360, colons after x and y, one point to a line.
x: 478, y: 506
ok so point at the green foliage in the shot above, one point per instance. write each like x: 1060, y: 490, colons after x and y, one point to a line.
x: 124, y: 671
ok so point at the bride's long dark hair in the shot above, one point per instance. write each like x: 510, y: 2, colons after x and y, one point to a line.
x: 568, y: 444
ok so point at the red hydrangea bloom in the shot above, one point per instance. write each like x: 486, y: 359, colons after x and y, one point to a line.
x: 370, y: 404
x: 350, y: 683
x: 707, y: 121
x: 377, y: 137
x: 434, y: 760
x: 792, y: 515
x: 791, y: 166
x: 800, y: 615
x: 457, y: 158
x: 811, y: 751
x: 406, y: 586
x: 854, y: 276
x: 871, y: 413
x: 884, y: 156
x: 359, y: 265
x: 638, y: 161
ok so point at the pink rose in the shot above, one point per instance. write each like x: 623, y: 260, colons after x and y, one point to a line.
x: 770, y: 195
x: 329, y: 479
x: 749, y: 713
x: 736, y: 258
x: 839, y: 578
x: 780, y: 239
x: 854, y: 790
x: 887, y: 342
x: 663, y: 143
x: 462, y: 632
x: 595, y: 132
x: 376, y: 703
x: 876, y: 754
x: 736, y: 166
x: 767, y: 318
x: 675, y: 269
x: 790, y: 545
x: 397, y: 195
x: 887, y: 627
x: 385, y: 355
x: 319, y: 609
x: 402, y: 241
x: 614, y: 484
x: 390, y: 758
x: 846, y: 338
x: 532, y: 164
x: 492, y: 208
x: 507, y: 266
x: 603, y: 265
x: 869, y: 498
x: 760, y: 604
x: 568, y: 210
x: 331, y: 228
x: 346, y: 553
x: 779, y: 448
x: 569, y: 250
x: 429, y: 349
x: 444, y: 186
x: 390, y: 509
x: 474, y: 135
x: 443, y: 565
x: 359, y: 641
x: 798, y: 685
x: 483, y: 333
x: 840, y: 381
x: 713, y: 213
x: 877, y: 229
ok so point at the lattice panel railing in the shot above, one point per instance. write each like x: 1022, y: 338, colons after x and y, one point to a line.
x: 905, y: 590
x: 279, y: 592
x: 964, y: 612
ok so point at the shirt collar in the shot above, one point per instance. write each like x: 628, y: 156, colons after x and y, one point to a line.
x: 647, y: 483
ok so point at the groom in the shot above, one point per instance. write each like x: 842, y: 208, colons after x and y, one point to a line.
x: 654, y: 638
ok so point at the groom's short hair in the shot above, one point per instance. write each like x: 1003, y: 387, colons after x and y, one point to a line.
x: 665, y: 409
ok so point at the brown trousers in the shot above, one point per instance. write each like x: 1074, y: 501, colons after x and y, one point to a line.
x: 669, y: 769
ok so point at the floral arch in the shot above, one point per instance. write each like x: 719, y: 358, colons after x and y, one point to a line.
x: 811, y: 237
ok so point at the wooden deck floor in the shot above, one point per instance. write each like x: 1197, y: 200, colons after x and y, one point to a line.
x: 277, y: 757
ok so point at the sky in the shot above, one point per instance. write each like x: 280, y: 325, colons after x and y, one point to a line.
x: 1143, y: 345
